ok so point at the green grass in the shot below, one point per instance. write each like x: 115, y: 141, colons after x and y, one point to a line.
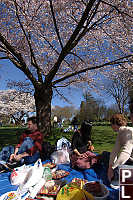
x: 103, y: 137
x: 9, y: 136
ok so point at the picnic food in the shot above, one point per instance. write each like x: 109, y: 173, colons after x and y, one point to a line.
x: 72, y: 192
x: 94, y: 188
x: 11, y: 196
x: 59, y: 174
x: 44, y: 197
x: 79, y: 182
x: 49, y: 164
x: 50, y: 188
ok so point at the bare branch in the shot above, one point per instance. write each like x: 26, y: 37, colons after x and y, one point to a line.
x: 62, y: 96
x: 116, y: 8
x: 33, y: 59
x: 68, y: 46
x: 115, y: 62
x: 55, y: 24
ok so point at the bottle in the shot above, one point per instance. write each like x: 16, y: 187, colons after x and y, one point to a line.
x: 47, y: 175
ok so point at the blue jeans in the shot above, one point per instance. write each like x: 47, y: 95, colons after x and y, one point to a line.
x: 27, y: 144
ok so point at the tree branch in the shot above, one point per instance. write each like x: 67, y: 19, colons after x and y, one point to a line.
x: 80, y: 25
x: 115, y: 62
x: 62, y: 96
x: 33, y: 59
x: 12, y: 50
x: 55, y: 24
x: 52, y: 47
x: 116, y: 8
x: 88, y: 29
x: 68, y: 45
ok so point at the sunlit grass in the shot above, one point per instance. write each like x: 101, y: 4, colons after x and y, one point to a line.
x: 103, y: 137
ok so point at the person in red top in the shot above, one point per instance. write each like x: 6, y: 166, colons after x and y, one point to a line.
x: 30, y: 145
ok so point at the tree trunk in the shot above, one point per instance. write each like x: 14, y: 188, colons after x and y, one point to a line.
x: 43, y: 97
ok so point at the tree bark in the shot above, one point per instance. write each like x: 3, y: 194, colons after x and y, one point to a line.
x: 43, y: 96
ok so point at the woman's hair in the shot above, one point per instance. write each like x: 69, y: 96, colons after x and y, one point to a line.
x: 85, y: 129
x: 118, y: 119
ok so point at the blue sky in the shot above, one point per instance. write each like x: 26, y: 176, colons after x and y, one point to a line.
x: 9, y: 71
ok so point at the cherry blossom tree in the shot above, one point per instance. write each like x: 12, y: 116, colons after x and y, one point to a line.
x: 59, y: 43
x: 116, y: 86
x: 16, y: 104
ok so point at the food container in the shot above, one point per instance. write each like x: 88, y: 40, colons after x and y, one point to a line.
x: 58, y: 174
x: 50, y: 188
x: 79, y: 182
x: 98, y: 190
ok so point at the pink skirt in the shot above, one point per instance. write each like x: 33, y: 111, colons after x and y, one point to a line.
x: 84, y: 161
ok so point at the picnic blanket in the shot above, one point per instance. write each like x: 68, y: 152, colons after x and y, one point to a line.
x: 93, y: 174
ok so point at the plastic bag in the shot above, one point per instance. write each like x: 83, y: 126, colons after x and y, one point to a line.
x: 60, y: 157
x: 63, y: 142
x: 18, y: 175
x: 35, y: 189
x: 27, y: 176
x: 34, y: 175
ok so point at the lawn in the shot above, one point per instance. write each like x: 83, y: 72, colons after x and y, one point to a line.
x: 9, y: 136
x: 103, y: 137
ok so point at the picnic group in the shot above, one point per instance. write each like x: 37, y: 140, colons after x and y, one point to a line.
x: 79, y: 154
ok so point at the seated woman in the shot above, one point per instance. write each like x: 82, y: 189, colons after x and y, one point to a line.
x: 82, y: 156
x: 122, y: 153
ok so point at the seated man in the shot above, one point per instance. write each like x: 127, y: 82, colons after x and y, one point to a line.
x: 30, y: 145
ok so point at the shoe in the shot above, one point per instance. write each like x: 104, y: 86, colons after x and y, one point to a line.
x: 3, y: 168
x: 114, y: 184
x: 13, y: 165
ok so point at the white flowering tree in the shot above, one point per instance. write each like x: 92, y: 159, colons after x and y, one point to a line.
x: 57, y: 43
x: 16, y: 104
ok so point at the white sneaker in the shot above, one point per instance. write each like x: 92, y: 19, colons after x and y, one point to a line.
x: 114, y: 184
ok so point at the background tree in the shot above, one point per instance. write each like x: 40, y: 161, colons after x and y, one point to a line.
x: 56, y: 43
x: 117, y: 87
x: 65, y: 112
x: 4, y: 119
x: 101, y: 110
x: 112, y: 109
x: 88, y: 108
x: 16, y: 105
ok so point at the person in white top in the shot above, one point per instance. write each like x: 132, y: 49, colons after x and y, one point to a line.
x: 122, y: 152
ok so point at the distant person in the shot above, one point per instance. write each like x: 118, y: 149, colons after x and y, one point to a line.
x: 30, y: 145
x: 82, y: 156
x: 122, y: 153
x: 55, y: 122
x: 75, y: 123
x: 0, y: 124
